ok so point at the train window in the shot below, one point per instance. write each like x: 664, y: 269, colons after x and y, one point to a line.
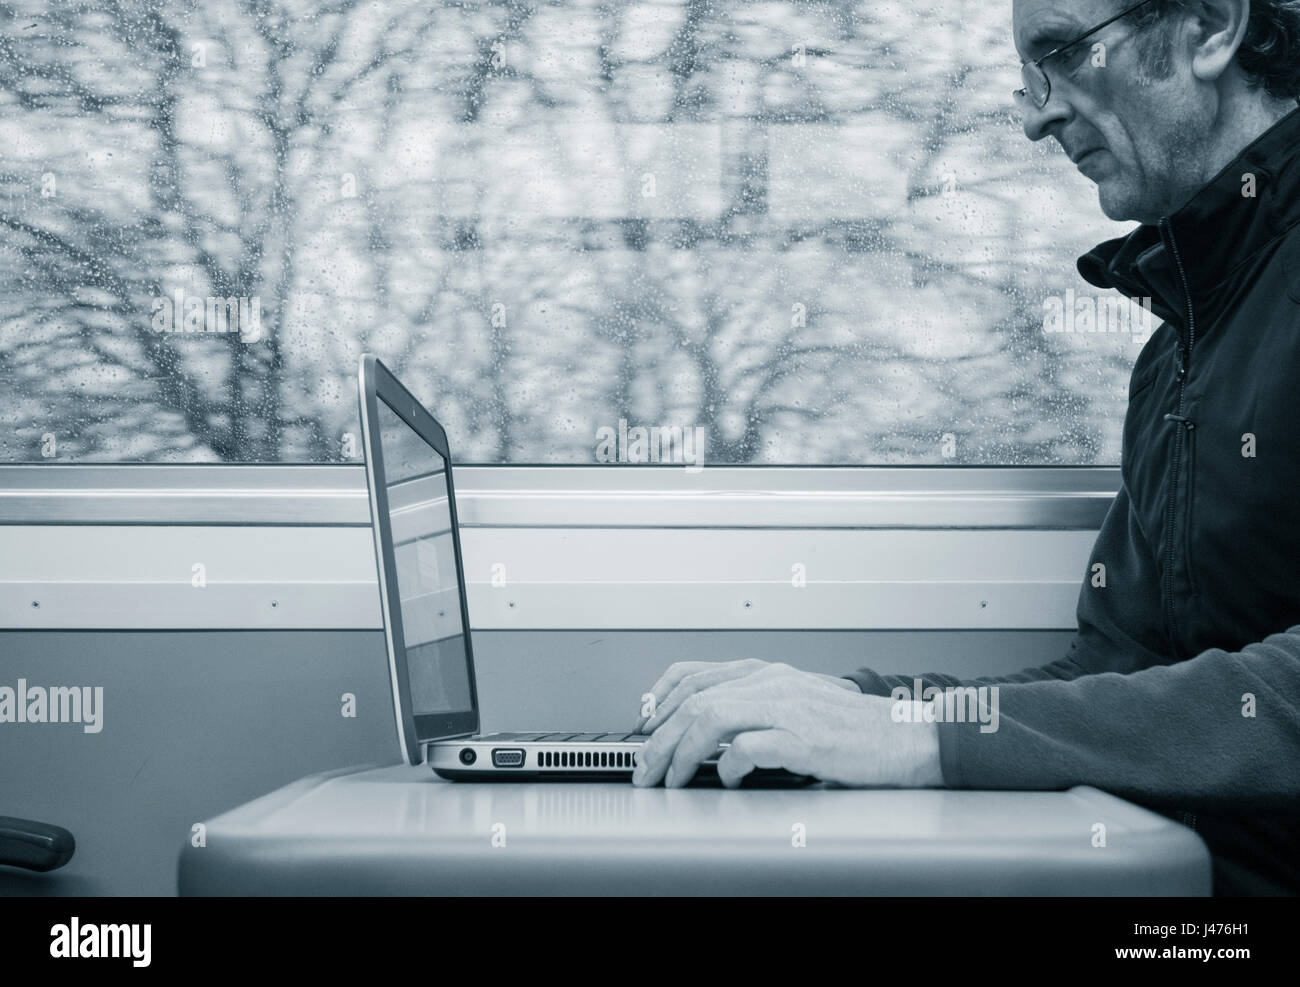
x: 723, y: 233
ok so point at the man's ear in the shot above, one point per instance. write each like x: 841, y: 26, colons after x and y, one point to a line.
x: 1220, y: 26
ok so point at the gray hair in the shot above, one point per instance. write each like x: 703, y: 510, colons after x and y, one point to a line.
x: 1269, y: 53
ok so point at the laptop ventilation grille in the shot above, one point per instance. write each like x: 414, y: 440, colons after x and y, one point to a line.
x: 586, y: 759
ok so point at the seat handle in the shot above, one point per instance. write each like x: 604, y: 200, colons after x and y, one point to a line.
x: 34, y: 845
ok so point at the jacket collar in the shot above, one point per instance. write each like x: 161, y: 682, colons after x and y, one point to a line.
x: 1214, y: 236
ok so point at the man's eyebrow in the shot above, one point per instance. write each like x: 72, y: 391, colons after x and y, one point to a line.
x: 1045, y: 37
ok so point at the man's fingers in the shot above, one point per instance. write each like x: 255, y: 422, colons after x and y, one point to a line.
x: 719, y: 722
x: 705, y: 678
x: 677, y: 671
x: 680, y: 670
x: 659, y: 752
x: 731, y: 676
x: 758, y: 749
x: 656, y: 755
x: 801, y: 685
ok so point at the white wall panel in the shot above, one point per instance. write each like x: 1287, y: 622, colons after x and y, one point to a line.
x: 139, y: 576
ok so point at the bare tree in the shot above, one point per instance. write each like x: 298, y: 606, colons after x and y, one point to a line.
x: 393, y: 179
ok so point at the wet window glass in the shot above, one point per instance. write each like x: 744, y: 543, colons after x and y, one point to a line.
x: 726, y: 233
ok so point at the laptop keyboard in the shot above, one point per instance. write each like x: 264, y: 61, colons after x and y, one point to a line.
x: 567, y: 738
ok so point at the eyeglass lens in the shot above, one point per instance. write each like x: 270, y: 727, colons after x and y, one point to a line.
x: 1036, y: 85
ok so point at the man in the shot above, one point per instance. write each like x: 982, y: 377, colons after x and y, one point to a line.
x: 1181, y: 688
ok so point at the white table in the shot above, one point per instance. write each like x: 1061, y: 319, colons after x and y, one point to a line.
x: 403, y: 831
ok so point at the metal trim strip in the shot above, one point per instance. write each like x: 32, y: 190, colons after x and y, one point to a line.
x: 614, y: 496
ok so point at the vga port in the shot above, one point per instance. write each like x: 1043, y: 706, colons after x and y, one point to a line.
x: 507, y: 757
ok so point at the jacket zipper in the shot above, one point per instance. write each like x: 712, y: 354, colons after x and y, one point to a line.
x: 1189, y: 518
x: 1184, y: 425
x: 1187, y: 441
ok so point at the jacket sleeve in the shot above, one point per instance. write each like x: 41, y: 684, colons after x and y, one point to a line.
x: 874, y: 684
x: 1103, y: 642
x: 1220, y: 731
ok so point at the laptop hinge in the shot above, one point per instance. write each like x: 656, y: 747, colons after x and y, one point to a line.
x: 426, y: 747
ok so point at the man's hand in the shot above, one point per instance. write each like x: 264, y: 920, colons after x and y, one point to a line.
x: 778, y: 717
x: 685, y: 678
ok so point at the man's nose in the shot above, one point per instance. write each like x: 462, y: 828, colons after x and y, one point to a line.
x: 1039, y: 123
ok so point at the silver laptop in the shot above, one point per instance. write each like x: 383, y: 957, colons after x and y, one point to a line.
x: 426, y: 616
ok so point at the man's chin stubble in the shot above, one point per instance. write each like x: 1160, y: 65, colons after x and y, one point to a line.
x: 1121, y: 207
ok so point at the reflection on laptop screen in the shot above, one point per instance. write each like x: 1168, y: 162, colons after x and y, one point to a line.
x: 415, y: 476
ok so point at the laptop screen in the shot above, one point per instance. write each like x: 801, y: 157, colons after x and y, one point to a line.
x: 428, y: 588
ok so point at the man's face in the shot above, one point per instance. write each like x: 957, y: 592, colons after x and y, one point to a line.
x: 1137, y: 137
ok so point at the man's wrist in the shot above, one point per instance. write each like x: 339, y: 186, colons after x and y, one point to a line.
x: 924, y: 766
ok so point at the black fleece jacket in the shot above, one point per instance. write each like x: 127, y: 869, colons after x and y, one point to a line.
x: 1181, y: 688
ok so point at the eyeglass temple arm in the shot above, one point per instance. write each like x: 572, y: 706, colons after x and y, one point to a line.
x: 1083, y: 37
x: 1087, y: 34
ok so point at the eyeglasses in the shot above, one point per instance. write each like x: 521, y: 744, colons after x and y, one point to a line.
x: 1038, y: 87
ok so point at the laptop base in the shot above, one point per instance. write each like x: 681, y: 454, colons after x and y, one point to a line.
x: 564, y: 756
